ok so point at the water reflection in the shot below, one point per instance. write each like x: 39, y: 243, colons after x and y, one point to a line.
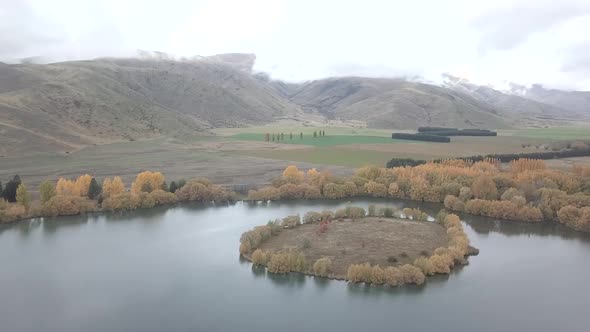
x: 321, y: 282
x: 258, y: 271
x: 243, y: 260
x: 153, y: 214
x: 367, y: 290
x: 52, y: 225
x: 486, y: 225
x: 292, y: 280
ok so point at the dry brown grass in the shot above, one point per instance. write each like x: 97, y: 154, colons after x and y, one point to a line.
x: 371, y: 240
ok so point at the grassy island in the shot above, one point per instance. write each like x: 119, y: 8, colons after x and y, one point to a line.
x: 385, y: 247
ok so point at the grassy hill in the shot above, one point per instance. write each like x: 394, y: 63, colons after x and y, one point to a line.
x: 65, y: 105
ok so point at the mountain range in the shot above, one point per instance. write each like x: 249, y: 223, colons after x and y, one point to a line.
x: 67, y: 105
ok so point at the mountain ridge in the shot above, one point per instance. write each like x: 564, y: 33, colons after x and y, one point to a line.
x: 66, y: 105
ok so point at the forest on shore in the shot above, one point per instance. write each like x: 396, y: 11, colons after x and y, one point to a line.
x: 526, y: 190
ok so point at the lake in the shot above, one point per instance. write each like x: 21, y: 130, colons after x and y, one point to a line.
x: 178, y: 269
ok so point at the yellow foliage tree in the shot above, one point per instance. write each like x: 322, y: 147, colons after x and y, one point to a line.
x: 312, y: 174
x: 81, y: 185
x: 65, y: 187
x: 147, y: 182
x: 112, y: 187
x: 293, y: 175
x: 526, y: 164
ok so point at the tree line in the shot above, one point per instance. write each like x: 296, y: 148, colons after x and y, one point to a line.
x: 272, y: 137
x: 504, y: 157
x: 443, y: 131
x: 526, y: 190
x: 421, y: 137
x: 85, y: 194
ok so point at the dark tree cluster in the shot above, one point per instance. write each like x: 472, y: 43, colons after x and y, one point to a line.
x: 445, y: 131
x: 401, y: 162
x: 9, y: 191
x: 421, y: 137
x: 428, y: 129
x: 508, y: 157
x: 463, y: 132
x: 504, y: 158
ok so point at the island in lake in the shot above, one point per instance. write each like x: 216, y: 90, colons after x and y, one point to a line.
x: 384, y: 247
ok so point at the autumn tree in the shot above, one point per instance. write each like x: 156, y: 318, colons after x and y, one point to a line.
x: 334, y: 191
x: 484, y: 188
x: 526, y: 164
x: 46, y: 191
x: 23, y: 197
x: 65, y: 187
x: 82, y: 184
x: 147, y: 182
x: 375, y: 189
x: 78, y: 187
x: 322, y: 267
x: 260, y: 257
x: 293, y: 175
x: 393, y: 276
x: 112, y: 187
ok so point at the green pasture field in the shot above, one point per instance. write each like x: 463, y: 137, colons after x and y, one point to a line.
x: 555, y: 134
x: 328, y: 140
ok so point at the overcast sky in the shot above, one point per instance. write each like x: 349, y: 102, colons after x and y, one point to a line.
x: 488, y: 42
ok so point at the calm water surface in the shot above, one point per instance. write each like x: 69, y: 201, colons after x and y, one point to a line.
x: 178, y: 269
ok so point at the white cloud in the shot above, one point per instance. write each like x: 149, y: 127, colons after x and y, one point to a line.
x: 489, y: 41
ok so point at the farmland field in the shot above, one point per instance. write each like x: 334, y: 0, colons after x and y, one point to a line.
x: 320, y: 141
x: 339, y: 155
x: 552, y: 133
x: 355, y: 154
x: 241, y: 156
x: 351, y: 131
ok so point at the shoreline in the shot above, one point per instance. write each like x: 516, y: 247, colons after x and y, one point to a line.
x: 294, y: 201
x: 385, y: 247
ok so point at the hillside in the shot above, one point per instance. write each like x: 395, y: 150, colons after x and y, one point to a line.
x: 577, y: 102
x: 524, y: 108
x: 395, y: 103
x: 65, y: 105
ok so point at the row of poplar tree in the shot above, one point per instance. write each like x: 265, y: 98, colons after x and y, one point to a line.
x: 271, y: 137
